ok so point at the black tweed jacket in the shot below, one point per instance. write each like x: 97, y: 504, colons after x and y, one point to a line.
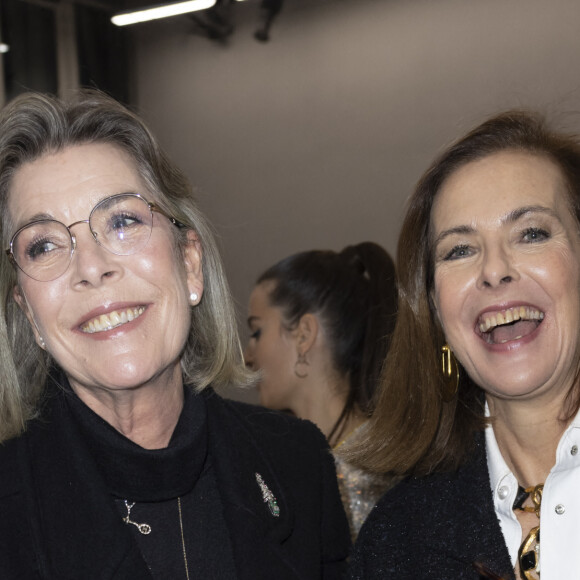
x: 434, y: 528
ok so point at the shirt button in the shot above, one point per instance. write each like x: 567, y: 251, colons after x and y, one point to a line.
x: 574, y: 450
x: 503, y: 491
x: 560, y: 509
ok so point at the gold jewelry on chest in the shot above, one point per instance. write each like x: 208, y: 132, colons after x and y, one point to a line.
x: 146, y: 529
x: 529, y: 552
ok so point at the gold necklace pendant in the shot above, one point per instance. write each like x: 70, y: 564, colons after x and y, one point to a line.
x: 529, y: 552
x: 529, y: 555
x: 145, y: 529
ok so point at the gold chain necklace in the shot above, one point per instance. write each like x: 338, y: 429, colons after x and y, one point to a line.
x: 182, y: 538
x: 145, y: 529
x: 529, y: 552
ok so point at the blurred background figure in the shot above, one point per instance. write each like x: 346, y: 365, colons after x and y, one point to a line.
x: 320, y: 324
x: 269, y: 9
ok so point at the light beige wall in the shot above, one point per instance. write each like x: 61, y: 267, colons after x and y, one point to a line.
x: 315, y: 139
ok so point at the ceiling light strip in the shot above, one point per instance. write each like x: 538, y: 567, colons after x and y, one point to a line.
x: 162, y: 11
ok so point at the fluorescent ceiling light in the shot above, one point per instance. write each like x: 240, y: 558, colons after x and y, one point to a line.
x: 161, y: 11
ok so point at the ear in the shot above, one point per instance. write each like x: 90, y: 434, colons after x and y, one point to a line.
x: 192, y: 258
x: 20, y: 299
x: 306, y: 332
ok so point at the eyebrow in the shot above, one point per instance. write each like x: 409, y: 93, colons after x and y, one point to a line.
x: 252, y: 319
x: 46, y: 216
x: 35, y: 218
x: 510, y: 218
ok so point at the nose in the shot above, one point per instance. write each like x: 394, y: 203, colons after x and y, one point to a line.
x: 91, y: 263
x: 497, y: 268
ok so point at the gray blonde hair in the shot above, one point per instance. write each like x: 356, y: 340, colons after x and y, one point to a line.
x: 33, y: 125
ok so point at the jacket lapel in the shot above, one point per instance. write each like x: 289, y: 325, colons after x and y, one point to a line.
x: 476, y: 535
x: 85, y: 535
x: 256, y: 531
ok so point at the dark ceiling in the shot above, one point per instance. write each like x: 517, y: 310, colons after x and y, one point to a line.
x: 103, y: 51
x: 29, y: 28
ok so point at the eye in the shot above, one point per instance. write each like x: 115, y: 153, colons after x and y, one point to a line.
x: 534, y: 235
x: 40, y: 248
x: 458, y: 252
x: 256, y: 334
x: 36, y: 243
x: 123, y: 221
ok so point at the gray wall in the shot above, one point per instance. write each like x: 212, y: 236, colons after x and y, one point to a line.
x: 315, y: 139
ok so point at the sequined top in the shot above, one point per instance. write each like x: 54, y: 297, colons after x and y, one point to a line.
x: 359, y: 490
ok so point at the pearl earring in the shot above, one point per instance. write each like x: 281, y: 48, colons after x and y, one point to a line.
x: 193, y: 298
x: 41, y: 342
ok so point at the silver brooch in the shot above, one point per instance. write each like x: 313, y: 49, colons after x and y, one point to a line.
x: 268, y: 496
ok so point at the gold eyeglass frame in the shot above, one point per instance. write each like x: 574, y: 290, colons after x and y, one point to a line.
x: 152, y: 208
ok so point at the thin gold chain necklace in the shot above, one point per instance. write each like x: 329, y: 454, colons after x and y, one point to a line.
x: 146, y: 529
x: 182, y: 538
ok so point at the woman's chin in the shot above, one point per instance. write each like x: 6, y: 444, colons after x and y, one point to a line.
x: 125, y: 376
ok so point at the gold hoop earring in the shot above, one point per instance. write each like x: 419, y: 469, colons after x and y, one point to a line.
x: 450, y: 370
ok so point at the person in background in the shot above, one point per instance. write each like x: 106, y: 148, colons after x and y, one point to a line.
x: 119, y: 460
x: 481, y: 387
x: 320, y: 324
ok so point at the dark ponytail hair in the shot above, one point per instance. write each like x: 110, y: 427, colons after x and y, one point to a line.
x: 354, y: 295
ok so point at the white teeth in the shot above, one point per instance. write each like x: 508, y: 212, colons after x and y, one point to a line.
x: 508, y: 316
x: 112, y: 319
x: 115, y: 318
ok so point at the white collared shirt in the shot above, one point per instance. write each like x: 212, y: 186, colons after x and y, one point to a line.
x: 560, y: 511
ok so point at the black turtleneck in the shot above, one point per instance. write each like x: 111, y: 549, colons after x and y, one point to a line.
x: 153, y: 480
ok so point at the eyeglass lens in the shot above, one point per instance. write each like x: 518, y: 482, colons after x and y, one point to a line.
x: 121, y: 224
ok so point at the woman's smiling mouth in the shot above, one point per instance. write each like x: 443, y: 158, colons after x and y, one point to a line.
x: 510, y: 324
x: 112, y: 319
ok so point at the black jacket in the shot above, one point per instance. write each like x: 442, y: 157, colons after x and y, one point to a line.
x: 434, y: 527
x: 57, y: 521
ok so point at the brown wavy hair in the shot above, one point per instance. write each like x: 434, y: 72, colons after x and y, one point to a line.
x: 414, y: 430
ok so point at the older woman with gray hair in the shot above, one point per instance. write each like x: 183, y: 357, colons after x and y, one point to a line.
x: 119, y: 460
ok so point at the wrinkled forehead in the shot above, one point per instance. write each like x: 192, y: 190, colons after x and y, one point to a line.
x: 67, y: 184
x: 499, y: 182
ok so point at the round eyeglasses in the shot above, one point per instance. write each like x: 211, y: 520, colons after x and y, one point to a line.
x: 120, y: 223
